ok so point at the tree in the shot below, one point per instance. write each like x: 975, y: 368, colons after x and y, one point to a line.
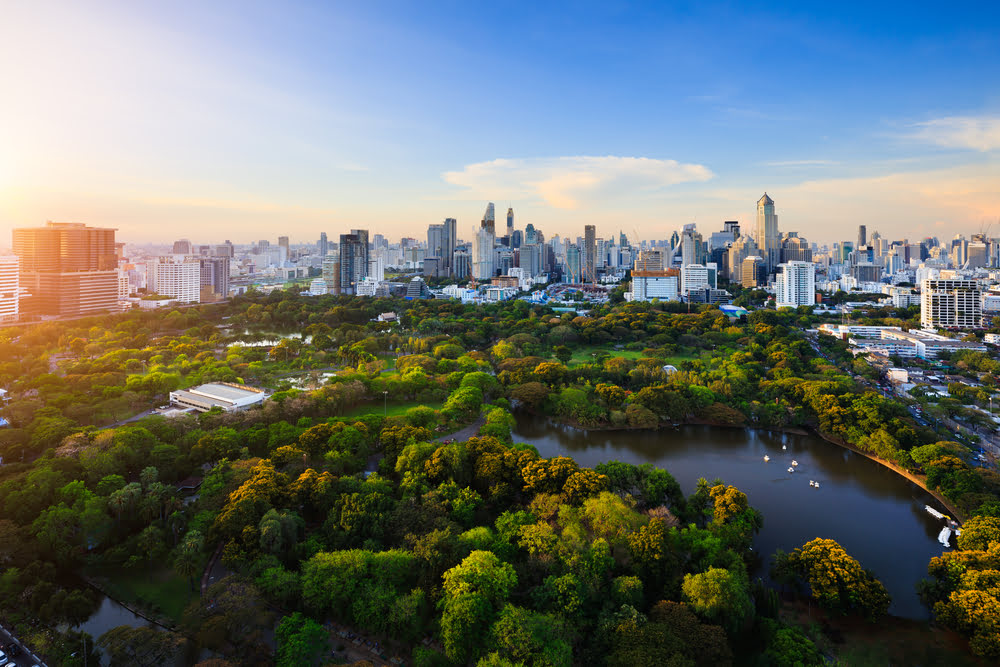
x: 140, y: 647
x: 536, y: 639
x: 719, y: 595
x: 187, y: 558
x: 474, y: 591
x: 301, y: 641
x: 838, y: 582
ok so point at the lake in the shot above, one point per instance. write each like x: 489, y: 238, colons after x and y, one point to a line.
x: 875, y: 514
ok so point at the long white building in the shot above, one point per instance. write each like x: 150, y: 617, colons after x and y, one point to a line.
x: 10, y: 267
x: 795, y: 285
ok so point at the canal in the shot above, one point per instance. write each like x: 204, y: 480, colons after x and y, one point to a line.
x: 875, y: 514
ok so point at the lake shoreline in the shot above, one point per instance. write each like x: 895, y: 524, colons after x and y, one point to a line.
x: 919, y: 480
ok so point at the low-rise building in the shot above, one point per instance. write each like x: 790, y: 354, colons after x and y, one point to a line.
x: 229, y: 397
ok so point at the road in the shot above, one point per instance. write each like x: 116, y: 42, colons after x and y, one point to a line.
x: 26, y: 658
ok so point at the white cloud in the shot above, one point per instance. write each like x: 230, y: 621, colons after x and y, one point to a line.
x: 563, y: 182
x: 981, y: 133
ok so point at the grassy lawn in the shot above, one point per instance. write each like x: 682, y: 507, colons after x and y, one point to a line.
x: 585, y: 354
x: 392, y: 410
x: 160, y: 589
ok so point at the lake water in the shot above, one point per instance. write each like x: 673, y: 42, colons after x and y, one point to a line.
x: 875, y: 514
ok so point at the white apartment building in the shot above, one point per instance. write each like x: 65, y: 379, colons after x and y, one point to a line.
x: 694, y: 277
x: 649, y: 285
x: 483, y: 255
x: 10, y: 268
x: 951, y: 304
x: 179, y: 280
x: 795, y: 285
x: 124, y: 289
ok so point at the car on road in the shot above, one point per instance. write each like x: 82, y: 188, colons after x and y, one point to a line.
x: 13, y: 650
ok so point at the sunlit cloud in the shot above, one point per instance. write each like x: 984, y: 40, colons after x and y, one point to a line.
x: 565, y: 182
x: 980, y: 133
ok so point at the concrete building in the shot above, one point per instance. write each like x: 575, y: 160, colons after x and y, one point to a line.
x: 10, y: 269
x: 795, y: 285
x: 67, y: 268
x: 214, y: 278
x: 694, y: 277
x: 229, y: 397
x: 951, y: 304
x: 649, y: 260
x: 649, y: 285
x: 573, y: 268
x: 176, y: 277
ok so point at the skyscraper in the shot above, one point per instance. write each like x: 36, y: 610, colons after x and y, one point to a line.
x: 353, y: 260
x: 324, y: 245
x: 767, y: 232
x: 483, y: 254
x: 572, y: 263
x: 862, y: 236
x: 510, y: 222
x: 951, y: 304
x: 68, y: 268
x: 182, y: 247
x: 490, y: 219
x: 449, y: 238
x: 589, y: 254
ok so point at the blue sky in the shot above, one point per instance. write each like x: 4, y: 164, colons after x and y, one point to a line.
x: 246, y: 120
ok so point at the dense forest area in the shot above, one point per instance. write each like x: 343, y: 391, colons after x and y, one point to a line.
x: 328, y: 512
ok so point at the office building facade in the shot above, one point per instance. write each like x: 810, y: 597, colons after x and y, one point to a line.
x: 67, y: 268
x: 10, y: 269
x: 795, y: 285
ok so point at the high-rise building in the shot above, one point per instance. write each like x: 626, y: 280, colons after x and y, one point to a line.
x: 510, y: 222
x: 691, y: 245
x: 490, y: 219
x: 182, y: 247
x: 573, y: 261
x: 795, y: 284
x: 767, y: 232
x: 590, y: 254
x: 950, y: 304
x: 10, y: 269
x: 694, y: 277
x: 862, y: 236
x: 353, y: 260
x: 214, y: 278
x: 753, y: 272
x: 435, y: 245
x: 462, y: 264
x: 742, y: 248
x: 67, y: 268
x: 331, y: 273
x: 449, y: 238
x: 283, y: 242
x: 795, y: 249
x: 530, y: 259
x: 483, y: 253
x: 176, y: 277
x: 649, y: 260
x: 324, y: 245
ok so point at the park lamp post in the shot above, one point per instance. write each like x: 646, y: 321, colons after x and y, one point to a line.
x: 385, y: 403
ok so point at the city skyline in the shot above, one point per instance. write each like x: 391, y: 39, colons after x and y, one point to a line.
x: 198, y: 118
